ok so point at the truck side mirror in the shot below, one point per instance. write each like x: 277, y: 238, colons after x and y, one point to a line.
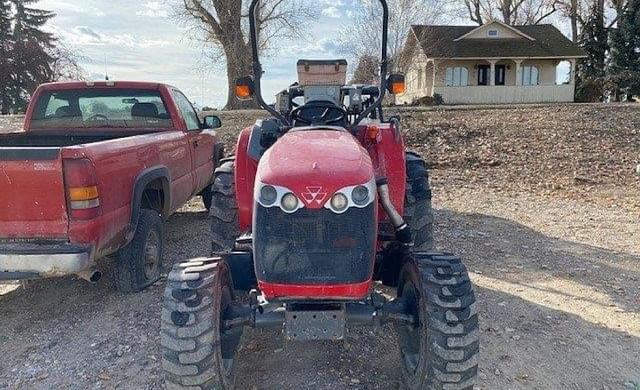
x: 212, y: 122
x: 245, y: 88
x: 396, y: 84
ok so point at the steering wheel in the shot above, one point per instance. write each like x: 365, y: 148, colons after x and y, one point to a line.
x: 328, y: 112
x: 96, y: 117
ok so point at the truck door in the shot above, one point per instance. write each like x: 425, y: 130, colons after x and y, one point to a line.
x: 201, y: 143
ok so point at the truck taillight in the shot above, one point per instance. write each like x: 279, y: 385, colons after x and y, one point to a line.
x: 82, y: 190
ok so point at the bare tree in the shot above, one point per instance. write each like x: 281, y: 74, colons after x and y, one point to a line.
x: 223, y: 25
x: 65, y: 64
x: 512, y: 12
x: 361, y: 38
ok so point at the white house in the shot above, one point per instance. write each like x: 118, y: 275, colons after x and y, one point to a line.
x: 493, y: 63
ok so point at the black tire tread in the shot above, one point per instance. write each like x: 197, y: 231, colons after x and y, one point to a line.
x: 190, y: 325
x: 418, y: 211
x: 224, y: 209
x: 452, y: 321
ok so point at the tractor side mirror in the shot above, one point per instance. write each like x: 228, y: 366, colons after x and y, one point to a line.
x: 212, y: 122
x: 395, y: 84
x: 245, y: 88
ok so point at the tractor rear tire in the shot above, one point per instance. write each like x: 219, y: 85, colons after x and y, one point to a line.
x: 196, y: 351
x: 224, y: 209
x: 417, y: 203
x: 441, y: 351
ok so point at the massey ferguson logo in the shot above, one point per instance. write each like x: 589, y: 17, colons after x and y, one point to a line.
x: 314, y: 195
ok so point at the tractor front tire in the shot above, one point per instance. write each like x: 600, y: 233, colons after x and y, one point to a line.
x: 197, y: 353
x: 224, y: 209
x: 440, y: 350
x: 417, y: 204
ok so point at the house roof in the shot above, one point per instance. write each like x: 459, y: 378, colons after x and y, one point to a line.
x: 444, y: 42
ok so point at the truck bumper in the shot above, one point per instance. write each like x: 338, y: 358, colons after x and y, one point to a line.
x: 31, y: 261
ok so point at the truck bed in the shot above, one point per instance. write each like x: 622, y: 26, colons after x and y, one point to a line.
x: 60, y: 139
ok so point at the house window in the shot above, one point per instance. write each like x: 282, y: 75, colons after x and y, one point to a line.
x: 457, y: 77
x: 530, y: 75
x: 420, y: 79
x: 493, y: 33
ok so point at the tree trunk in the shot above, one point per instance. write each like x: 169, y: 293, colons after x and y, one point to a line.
x: 239, y: 64
x: 574, y: 21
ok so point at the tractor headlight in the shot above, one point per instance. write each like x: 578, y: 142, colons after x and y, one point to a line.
x: 271, y: 195
x: 360, y: 195
x: 289, y: 202
x: 339, y: 202
x: 268, y: 195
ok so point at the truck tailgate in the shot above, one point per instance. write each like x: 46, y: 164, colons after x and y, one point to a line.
x: 32, y: 193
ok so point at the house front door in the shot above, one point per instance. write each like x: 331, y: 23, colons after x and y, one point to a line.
x: 500, y: 74
x: 483, y: 74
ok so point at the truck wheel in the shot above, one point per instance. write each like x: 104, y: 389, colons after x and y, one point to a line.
x: 206, y: 198
x: 138, y: 264
x: 417, y: 202
x: 224, y: 209
x: 439, y: 351
x: 196, y: 351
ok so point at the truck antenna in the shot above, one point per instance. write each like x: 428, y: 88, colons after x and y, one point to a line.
x: 106, y: 75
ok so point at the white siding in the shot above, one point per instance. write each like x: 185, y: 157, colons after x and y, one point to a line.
x: 506, y: 94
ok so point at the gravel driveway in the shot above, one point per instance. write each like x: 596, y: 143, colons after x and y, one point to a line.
x: 557, y: 277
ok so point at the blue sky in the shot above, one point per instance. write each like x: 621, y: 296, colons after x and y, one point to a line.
x: 141, y: 40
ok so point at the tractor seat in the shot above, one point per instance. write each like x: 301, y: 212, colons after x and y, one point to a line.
x: 144, y: 110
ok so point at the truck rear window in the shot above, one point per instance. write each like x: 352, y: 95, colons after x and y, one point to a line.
x: 101, y: 108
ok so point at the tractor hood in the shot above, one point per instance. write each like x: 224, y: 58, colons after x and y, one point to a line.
x: 314, y: 164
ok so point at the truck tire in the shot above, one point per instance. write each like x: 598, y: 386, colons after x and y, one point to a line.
x: 441, y: 351
x: 196, y: 351
x: 417, y: 202
x: 139, y: 263
x: 224, y: 209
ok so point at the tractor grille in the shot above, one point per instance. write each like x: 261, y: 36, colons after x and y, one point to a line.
x: 314, y: 246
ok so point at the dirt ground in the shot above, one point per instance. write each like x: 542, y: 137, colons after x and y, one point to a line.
x: 542, y: 202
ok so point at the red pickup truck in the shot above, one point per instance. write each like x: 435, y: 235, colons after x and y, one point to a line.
x: 98, y: 168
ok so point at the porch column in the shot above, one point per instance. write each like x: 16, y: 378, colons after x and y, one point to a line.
x: 518, y: 72
x: 435, y: 71
x: 572, y: 76
x: 492, y: 73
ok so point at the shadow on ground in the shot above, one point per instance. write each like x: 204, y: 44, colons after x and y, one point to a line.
x: 539, y: 300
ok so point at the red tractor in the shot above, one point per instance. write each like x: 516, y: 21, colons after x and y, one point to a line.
x: 320, y: 205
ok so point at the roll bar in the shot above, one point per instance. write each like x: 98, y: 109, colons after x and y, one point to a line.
x: 257, y: 66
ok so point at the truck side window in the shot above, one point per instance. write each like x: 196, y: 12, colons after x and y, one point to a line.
x: 187, y: 111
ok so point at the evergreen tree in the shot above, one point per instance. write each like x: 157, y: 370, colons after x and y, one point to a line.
x: 592, y: 70
x: 6, y: 43
x: 32, y: 45
x: 624, y: 65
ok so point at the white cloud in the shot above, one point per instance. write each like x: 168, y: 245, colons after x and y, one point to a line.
x: 86, y: 36
x: 331, y: 12
x: 154, y: 9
